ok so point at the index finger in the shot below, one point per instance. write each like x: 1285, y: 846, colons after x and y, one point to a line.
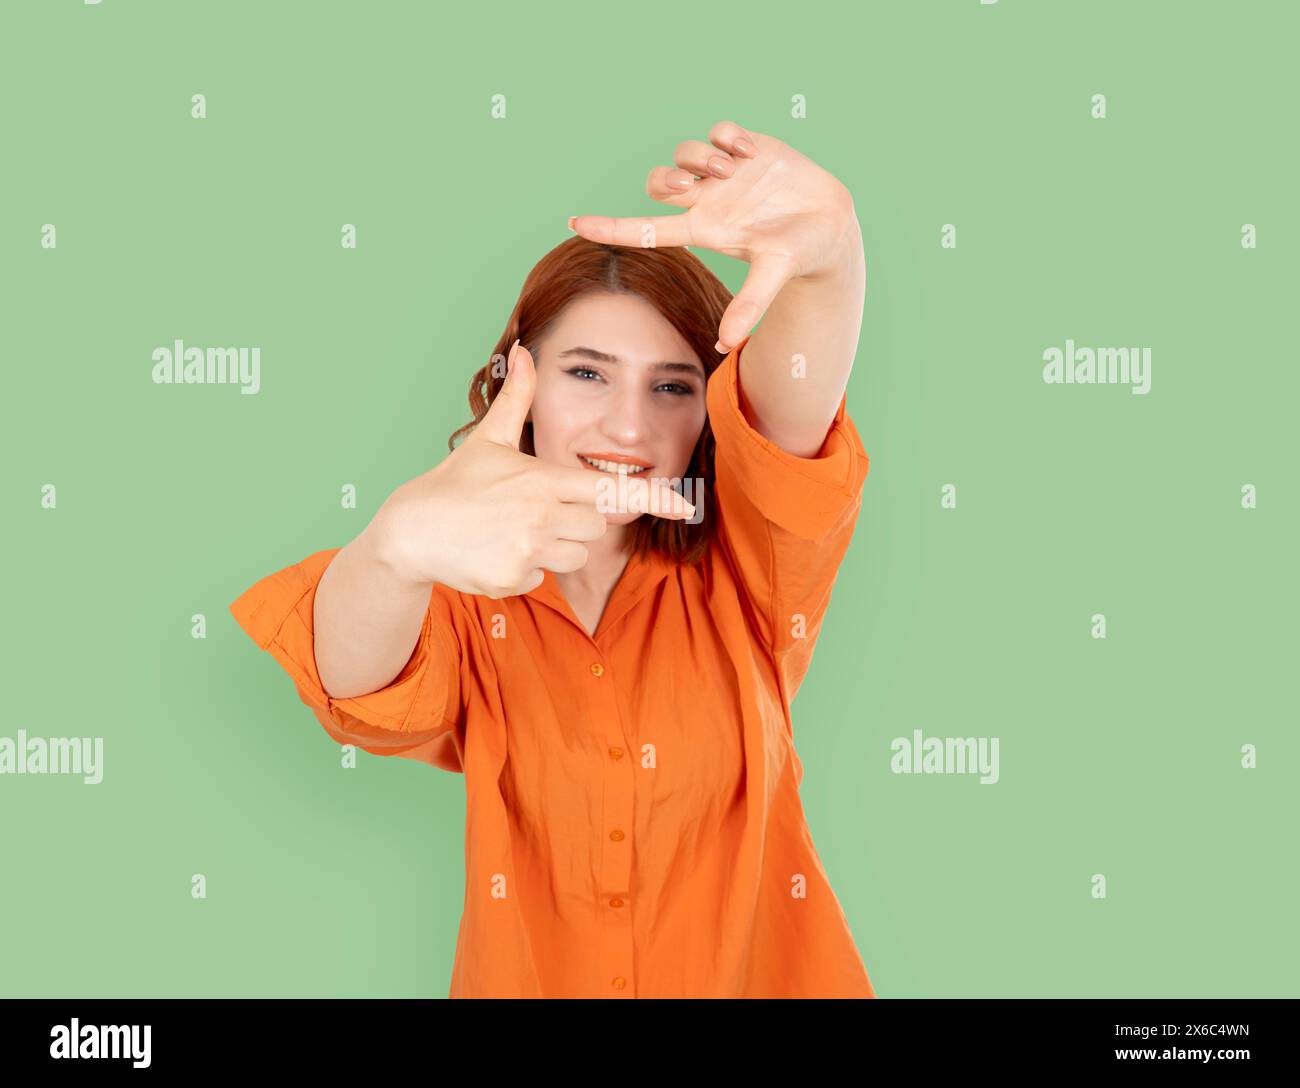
x: 611, y: 494
x: 647, y: 232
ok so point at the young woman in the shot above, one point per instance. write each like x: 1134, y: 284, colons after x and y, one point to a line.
x: 609, y: 665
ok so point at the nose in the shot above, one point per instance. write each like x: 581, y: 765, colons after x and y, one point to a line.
x: 626, y: 422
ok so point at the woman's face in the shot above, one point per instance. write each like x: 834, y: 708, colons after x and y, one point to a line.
x: 616, y: 380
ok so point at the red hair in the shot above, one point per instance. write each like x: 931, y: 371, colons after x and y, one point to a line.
x: 680, y: 287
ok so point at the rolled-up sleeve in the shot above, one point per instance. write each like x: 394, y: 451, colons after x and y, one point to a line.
x: 784, y: 522
x: 417, y: 715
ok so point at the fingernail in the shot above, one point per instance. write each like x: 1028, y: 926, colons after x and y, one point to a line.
x: 571, y: 226
x: 719, y: 347
x: 510, y: 359
x: 745, y: 147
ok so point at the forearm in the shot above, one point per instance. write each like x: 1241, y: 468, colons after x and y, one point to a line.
x: 366, y: 620
x: 819, y: 318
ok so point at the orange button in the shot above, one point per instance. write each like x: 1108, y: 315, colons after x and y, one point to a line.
x: 617, y: 836
x: 616, y: 753
x: 616, y: 902
x: 619, y: 982
x: 597, y: 669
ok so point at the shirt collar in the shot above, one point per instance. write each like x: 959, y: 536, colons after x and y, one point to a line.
x: 639, y: 577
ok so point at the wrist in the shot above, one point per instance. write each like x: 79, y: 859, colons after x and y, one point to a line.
x: 847, y: 262
x: 380, y: 545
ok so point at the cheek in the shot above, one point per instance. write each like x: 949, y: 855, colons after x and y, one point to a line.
x: 556, y: 423
x: 685, y: 431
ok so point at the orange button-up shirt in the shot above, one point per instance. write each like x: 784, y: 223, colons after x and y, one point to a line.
x: 634, y: 826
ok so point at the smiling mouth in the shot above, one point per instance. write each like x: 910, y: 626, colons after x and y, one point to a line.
x: 614, y: 468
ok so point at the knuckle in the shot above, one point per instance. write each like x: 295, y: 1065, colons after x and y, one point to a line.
x: 521, y: 547
x: 515, y: 569
x: 539, y: 515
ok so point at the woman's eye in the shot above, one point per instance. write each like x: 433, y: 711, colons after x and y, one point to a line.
x: 677, y: 388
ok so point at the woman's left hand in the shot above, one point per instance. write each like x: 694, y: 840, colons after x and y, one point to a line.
x: 749, y: 196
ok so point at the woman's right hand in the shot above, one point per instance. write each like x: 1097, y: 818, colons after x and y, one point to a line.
x: 491, y: 520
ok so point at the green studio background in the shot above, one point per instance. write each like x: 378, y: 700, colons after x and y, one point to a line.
x: 1119, y: 756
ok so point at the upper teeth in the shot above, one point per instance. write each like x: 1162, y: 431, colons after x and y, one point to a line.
x: 614, y: 466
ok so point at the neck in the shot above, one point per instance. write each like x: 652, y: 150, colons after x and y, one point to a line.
x: 605, y: 562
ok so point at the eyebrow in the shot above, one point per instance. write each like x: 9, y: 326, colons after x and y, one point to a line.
x: 603, y: 357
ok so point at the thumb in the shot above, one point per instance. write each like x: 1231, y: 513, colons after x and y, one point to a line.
x: 504, y: 421
x: 767, y: 275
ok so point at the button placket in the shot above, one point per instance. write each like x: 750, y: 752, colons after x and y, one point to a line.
x: 617, y: 811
